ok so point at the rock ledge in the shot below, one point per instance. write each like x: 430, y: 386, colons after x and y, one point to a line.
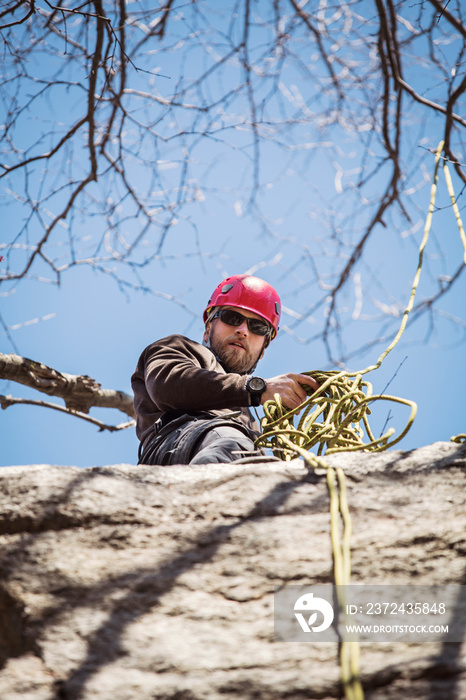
x: 125, y: 582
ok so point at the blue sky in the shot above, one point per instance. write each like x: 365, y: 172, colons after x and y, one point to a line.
x: 95, y: 331
x: 91, y: 325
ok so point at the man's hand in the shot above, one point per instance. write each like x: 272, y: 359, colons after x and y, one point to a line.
x: 288, y: 386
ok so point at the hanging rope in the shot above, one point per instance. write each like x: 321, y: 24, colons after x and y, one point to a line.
x: 335, y: 419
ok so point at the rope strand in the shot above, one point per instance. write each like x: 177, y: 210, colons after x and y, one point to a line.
x: 335, y: 419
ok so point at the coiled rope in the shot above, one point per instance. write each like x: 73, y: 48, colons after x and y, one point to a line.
x: 335, y: 419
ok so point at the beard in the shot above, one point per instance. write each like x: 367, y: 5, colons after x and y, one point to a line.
x: 233, y: 358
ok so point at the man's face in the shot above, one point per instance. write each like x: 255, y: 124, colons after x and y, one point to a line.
x: 235, y: 346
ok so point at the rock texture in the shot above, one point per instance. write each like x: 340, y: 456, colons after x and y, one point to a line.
x: 130, y: 583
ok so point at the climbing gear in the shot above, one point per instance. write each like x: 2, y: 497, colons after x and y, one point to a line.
x: 344, y: 407
x: 233, y: 318
x: 340, y: 398
x: 249, y: 293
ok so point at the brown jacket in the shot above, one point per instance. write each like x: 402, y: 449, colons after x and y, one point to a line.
x: 178, y: 374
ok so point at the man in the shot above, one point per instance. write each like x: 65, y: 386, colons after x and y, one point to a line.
x: 192, y: 401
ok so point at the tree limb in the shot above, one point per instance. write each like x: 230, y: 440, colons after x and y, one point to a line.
x: 6, y: 401
x: 79, y: 392
x: 443, y: 12
x: 32, y: 9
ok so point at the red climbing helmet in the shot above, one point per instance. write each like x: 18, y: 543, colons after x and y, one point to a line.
x: 250, y: 293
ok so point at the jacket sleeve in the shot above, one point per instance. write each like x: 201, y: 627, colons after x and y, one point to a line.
x: 180, y: 374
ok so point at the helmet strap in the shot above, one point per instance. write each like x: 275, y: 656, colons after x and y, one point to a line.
x: 211, y: 314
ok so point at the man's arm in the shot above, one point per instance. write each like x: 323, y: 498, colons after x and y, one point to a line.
x: 180, y: 374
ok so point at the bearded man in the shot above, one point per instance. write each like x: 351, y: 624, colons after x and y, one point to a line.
x: 193, y: 401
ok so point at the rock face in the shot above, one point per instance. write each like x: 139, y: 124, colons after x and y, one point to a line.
x: 130, y: 583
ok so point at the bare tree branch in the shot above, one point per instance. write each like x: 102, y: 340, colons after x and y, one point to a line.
x: 23, y: 19
x: 6, y: 401
x: 79, y: 392
x: 269, y: 110
x: 444, y: 12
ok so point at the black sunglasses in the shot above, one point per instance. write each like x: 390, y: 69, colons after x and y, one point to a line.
x: 234, y: 318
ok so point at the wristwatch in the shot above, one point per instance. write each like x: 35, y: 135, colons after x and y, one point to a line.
x: 256, y: 387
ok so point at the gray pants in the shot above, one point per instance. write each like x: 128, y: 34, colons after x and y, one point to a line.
x: 188, y: 440
x: 222, y: 444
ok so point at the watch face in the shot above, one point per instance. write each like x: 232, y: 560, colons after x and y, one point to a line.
x: 257, y: 384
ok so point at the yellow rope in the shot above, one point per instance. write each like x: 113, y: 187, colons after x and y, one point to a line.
x: 458, y: 438
x: 335, y: 419
x: 451, y: 192
x: 462, y: 437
